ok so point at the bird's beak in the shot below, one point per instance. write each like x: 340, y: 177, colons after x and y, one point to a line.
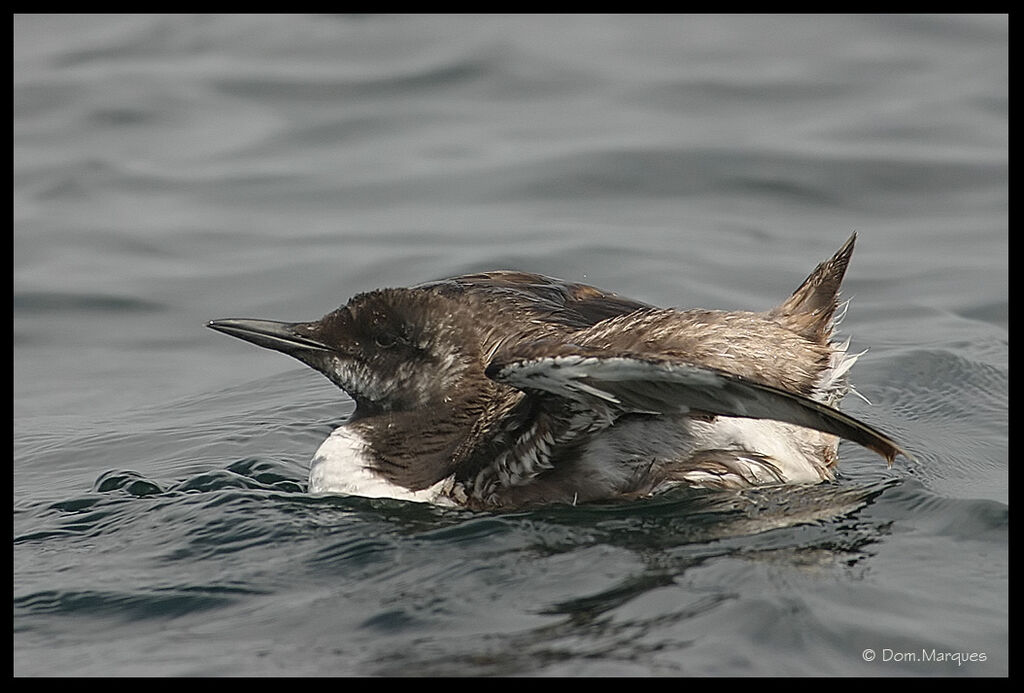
x: 287, y: 337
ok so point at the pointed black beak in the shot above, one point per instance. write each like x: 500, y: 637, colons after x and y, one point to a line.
x: 286, y: 337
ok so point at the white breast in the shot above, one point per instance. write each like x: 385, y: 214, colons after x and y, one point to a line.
x: 341, y: 465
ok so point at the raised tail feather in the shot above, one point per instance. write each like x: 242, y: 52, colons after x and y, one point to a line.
x: 810, y: 309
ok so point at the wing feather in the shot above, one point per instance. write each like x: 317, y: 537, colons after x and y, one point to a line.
x: 632, y: 383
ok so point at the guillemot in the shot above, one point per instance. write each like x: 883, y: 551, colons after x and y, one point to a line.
x: 507, y: 389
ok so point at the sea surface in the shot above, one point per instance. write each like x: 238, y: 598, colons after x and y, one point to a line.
x: 169, y: 170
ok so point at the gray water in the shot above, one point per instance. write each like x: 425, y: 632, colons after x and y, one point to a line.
x: 172, y: 170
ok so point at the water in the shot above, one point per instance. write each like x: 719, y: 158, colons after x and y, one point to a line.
x: 171, y: 170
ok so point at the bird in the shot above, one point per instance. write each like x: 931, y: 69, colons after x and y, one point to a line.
x: 505, y: 389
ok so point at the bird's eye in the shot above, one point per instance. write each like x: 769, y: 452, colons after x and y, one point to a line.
x: 385, y: 341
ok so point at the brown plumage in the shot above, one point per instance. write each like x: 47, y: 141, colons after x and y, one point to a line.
x: 502, y: 389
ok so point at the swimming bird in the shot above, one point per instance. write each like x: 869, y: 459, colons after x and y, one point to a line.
x: 507, y: 389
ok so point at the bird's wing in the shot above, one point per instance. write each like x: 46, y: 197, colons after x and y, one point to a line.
x: 610, y: 386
